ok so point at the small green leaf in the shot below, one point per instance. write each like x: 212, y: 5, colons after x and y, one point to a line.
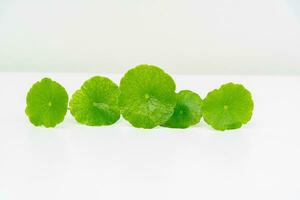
x: 228, y: 107
x: 96, y: 103
x: 147, y: 96
x: 187, y: 111
x: 47, y: 103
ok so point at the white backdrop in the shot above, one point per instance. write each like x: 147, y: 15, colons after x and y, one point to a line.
x: 182, y: 36
x: 259, y: 161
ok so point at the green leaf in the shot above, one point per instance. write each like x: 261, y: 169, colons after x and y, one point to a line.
x: 187, y: 111
x: 96, y: 103
x: 147, y: 96
x: 47, y: 103
x: 228, y: 107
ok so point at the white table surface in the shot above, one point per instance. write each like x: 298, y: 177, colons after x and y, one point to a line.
x: 73, y: 161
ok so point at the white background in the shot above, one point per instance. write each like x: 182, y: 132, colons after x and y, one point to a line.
x: 259, y: 161
x: 72, y: 161
x: 182, y: 36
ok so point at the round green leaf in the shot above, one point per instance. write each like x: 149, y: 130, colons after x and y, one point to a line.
x: 47, y: 103
x: 187, y: 111
x: 147, y: 96
x: 228, y: 107
x: 96, y: 103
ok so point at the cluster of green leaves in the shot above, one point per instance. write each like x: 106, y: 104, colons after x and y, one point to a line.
x: 146, y: 98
